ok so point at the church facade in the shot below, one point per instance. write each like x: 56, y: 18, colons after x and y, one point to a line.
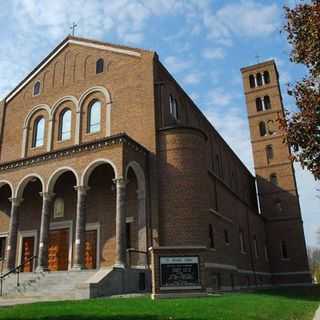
x: 107, y: 163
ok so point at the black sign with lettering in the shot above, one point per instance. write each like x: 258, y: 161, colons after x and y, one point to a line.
x: 179, y: 271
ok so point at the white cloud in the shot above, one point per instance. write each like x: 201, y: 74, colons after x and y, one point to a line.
x: 192, y: 78
x: 246, y: 19
x: 232, y: 124
x: 213, y: 53
x: 177, y: 65
x: 219, y: 97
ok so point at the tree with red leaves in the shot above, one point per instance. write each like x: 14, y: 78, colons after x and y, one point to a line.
x: 302, y: 128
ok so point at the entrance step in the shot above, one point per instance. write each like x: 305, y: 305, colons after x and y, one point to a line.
x: 49, y: 285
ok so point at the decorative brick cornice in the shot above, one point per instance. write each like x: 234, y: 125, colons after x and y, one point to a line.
x: 120, y: 138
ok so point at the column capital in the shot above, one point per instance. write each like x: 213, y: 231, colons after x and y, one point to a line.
x: 47, y: 196
x: 82, y: 189
x: 120, y: 181
x: 16, y: 201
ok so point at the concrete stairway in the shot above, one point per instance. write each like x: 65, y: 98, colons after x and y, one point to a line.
x: 49, y: 286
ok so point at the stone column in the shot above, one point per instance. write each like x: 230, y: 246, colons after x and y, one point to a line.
x: 121, y: 207
x: 142, y: 227
x: 44, y: 231
x: 13, y: 232
x: 78, y: 257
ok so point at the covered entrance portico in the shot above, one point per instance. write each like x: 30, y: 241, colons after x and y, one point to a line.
x: 80, y: 208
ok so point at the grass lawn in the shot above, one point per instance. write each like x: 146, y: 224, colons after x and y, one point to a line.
x: 289, y: 304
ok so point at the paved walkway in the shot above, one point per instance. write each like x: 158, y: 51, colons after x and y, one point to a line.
x: 317, y: 314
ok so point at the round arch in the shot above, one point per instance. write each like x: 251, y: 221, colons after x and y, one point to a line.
x: 108, y: 101
x: 27, y: 123
x: 58, y: 173
x: 100, y: 89
x: 22, y: 184
x: 6, y: 182
x: 58, y: 103
x: 94, y: 164
x: 137, y: 169
x: 34, y: 110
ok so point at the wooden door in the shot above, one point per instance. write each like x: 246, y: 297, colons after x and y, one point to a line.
x: 58, y: 250
x: 27, y: 253
x: 90, y: 250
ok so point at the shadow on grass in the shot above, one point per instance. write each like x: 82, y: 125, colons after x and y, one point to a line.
x: 309, y: 293
x: 94, y: 317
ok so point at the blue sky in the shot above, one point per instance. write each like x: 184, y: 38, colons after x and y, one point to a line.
x: 203, y: 43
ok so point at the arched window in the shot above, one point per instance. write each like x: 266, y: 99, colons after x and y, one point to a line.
x: 252, y: 81
x: 259, y: 104
x: 274, y: 179
x: 266, y: 77
x: 173, y: 105
x: 99, y: 66
x: 36, y: 88
x: 267, y: 103
x: 38, y: 132
x: 262, y: 129
x: 94, y: 116
x: 259, y: 79
x: 65, y: 125
x: 269, y: 152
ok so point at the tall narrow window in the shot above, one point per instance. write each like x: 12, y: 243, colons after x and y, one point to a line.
x: 259, y: 79
x: 279, y: 206
x: 266, y: 255
x: 284, y: 250
x: 37, y: 88
x: 269, y: 152
x: 173, y: 107
x: 266, y: 77
x: 2, y: 247
x: 94, y: 117
x: 262, y: 129
x: 252, y: 81
x: 255, y: 246
x: 128, y: 235
x: 65, y: 125
x: 267, y: 102
x: 274, y: 179
x: 259, y: 104
x: 99, y: 66
x: 226, y: 236
x: 211, y: 236
x: 38, y: 132
x: 242, y: 243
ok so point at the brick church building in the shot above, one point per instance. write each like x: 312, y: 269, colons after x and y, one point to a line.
x: 107, y: 164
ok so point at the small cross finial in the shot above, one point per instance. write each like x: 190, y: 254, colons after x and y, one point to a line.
x: 258, y: 58
x: 73, y: 27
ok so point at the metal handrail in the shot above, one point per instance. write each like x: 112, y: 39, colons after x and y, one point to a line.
x: 15, y: 270
x: 132, y: 250
x: 2, y: 263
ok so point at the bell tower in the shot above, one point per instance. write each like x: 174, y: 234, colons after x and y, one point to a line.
x: 277, y: 190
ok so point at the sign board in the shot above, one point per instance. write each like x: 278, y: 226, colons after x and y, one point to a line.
x: 179, y: 272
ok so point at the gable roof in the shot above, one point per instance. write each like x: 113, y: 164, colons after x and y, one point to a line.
x: 77, y: 41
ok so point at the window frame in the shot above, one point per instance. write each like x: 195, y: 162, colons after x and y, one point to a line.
x: 37, y: 85
x: 100, y: 66
x: 61, y: 123
x: 35, y: 138
x: 90, y: 125
x: 262, y: 129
